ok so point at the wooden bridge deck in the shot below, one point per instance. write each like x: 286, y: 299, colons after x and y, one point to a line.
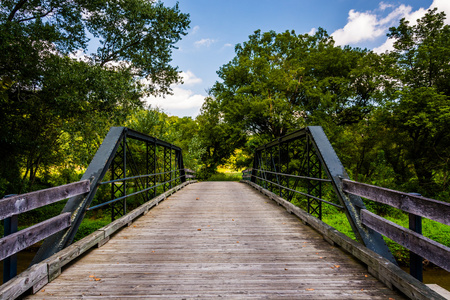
x: 216, y: 239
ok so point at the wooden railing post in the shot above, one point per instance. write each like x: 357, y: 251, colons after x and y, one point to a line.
x: 415, y: 260
x: 10, y: 263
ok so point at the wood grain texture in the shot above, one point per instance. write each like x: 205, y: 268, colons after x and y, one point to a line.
x: 20, y: 240
x: 22, y: 203
x: 420, y: 206
x: 216, y: 239
x: 417, y: 243
x: 377, y: 265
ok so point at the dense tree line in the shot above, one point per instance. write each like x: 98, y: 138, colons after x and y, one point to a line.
x: 387, y: 115
x: 55, y: 107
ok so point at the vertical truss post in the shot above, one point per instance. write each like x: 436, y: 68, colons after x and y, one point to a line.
x: 167, y: 168
x: 151, y: 168
x: 264, y: 165
x: 155, y: 168
x: 273, y: 169
x: 181, y: 167
x: 119, y: 188
x: 171, y: 166
x: 255, y: 167
x: 278, y: 170
x: 314, y: 187
x: 284, y: 167
x: 147, y: 170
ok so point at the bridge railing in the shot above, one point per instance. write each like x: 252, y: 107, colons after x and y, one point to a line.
x: 129, y: 169
x: 15, y: 241
x: 411, y: 238
x: 303, y: 165
x: 160, y: 183
x: 190, y: 174
x: 303, y: 168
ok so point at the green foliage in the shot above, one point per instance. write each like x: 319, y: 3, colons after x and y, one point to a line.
x: 49, y: 97
x: 225, y: 177
x: 89, y: 226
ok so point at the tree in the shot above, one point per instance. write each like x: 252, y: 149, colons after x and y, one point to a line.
x: 418, y: 115
x: 281, y: 81
x: 218, y: 138
x: 46, y: 91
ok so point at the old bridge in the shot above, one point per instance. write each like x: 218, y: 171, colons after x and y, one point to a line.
x: 186, y: 239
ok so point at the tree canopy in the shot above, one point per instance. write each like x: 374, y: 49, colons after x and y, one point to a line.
x: 47, y: 88
x: 386, y: 114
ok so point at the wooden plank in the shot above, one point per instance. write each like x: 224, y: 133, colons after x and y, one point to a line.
x: 216, y: 239
x: 26, y: 202
x: 24, y: 281
x: 20, y: 240
x: 420, y: 206
x: 379, y: 267
x: 417, y: 243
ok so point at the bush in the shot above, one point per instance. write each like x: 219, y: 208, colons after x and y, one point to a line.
x: 225, y: 177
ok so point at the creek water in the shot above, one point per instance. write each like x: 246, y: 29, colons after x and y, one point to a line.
x: 435, y: 275
x: 430, y: 275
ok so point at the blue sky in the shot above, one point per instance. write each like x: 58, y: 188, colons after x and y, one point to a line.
x: 217, y: 26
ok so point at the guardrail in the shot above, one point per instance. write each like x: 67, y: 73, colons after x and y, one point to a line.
x: 416, y: 206
x: 301, y: 163
x: 381, y: 268
x: 131, y: 163
x: 15, y: 241
x: 190, y: 174
x: 41, y: 273
x: 304, y: 167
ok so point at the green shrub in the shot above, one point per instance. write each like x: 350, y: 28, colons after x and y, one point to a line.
x: 225, y: 177
x: 88, y: 226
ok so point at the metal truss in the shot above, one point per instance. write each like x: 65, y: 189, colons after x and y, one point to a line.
x: 134, y: 172
x: 298, y: 164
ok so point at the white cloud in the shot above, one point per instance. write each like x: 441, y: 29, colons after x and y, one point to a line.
x: 312, y: 31
x: 383, y: 5
x: 183, y: 101
x: 228, y: 45
x: 370, y: 25
x: 443, y: 5
x: 195, y: 29
x: 360, y: 27
x: 412, y: 16
x: 387, y: 46
x: 204, y: 42
x: 189, y: 78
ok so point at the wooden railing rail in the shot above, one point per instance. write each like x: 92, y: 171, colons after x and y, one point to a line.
x: 12, y: 206
x: 188, y: 176
x: 247, y: 174
x: 429, y: 208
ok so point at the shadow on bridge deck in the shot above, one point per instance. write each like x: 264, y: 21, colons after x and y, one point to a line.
x: 216, y: 239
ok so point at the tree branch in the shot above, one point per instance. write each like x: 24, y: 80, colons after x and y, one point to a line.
x: 113, y: 55
x: 16, y: 8
x: 41, y: 16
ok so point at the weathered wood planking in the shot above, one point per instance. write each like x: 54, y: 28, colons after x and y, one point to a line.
x: 417, y: 243
x: 377, y: 265
x: 20, y: 240
x: 421, y: 206
x: 37, y: 276
x: 216, y: 239
x: 21, y: 203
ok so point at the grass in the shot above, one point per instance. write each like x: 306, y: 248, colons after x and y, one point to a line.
x: 225, y: 177
x: 226, y: 174
x: 430, y: 229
